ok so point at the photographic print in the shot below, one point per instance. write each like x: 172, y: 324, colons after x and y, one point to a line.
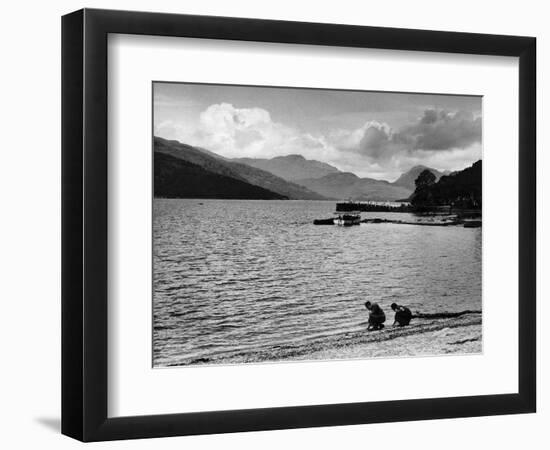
x: 301, y: 224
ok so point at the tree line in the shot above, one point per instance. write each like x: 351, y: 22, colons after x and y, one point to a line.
x: 460, y: 189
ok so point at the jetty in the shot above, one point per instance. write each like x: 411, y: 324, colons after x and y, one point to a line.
x: 373, y: 206
x: 444, y: 223
x: 466, y: 223
x: 434, y: 216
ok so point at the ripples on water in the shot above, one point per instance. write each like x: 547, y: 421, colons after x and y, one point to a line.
x: 239, y: 276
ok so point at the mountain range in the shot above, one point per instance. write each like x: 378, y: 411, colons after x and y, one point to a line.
x: 185, y: 171
x: 346, y: 185
x: 291, y: 167
x: 197, y: 158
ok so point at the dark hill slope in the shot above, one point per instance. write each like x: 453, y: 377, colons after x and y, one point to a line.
x: 176, y: 178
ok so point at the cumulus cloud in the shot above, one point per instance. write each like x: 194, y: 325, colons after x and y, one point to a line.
x: 247, y: 132
x: 373, y: 139
x: 434, y: 131
x: 442, y: 130
x: 224, y: 118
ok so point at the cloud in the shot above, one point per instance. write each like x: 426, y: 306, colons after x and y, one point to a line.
x: 371, y: 134
x: 226, y: 119
x: 374, y: 140
x: 433, y: 131
x: 442, y: 130
x: 246, y: 132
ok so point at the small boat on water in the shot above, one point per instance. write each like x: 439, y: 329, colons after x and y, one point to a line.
x: 347, y: 219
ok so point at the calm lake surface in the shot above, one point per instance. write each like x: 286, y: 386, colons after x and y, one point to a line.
x: 232, y: 277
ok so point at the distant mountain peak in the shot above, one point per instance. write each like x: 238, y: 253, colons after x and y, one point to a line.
x: 291, y: 156
x: 408, y: 178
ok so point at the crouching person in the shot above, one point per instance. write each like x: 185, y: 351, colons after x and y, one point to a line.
x: 376, y: 316
x: 403, y: 315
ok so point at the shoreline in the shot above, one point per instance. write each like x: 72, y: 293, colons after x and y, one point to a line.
x: 461, y: 333
x: 443, y: 342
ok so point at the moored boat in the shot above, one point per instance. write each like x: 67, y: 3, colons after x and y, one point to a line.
x: 348, y: 218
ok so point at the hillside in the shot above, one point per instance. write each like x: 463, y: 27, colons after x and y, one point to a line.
x: 291, y: 167
x: 176, y: 178
x: 218, y: 165
x: 345, y: 185
x: 407, y: 179
x: 462, y: 189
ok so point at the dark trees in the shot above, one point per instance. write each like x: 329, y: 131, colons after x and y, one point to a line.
x: 459, y: 190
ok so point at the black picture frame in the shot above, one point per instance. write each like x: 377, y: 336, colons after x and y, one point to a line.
x: 84, y: 224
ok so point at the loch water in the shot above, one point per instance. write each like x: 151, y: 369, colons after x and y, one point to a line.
x: 233, y: 278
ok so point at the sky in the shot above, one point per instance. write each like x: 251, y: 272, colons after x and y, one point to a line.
x: 372, y: 134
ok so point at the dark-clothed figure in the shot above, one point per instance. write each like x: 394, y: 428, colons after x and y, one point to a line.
x: 403, y: 315
x: 376, y: 316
